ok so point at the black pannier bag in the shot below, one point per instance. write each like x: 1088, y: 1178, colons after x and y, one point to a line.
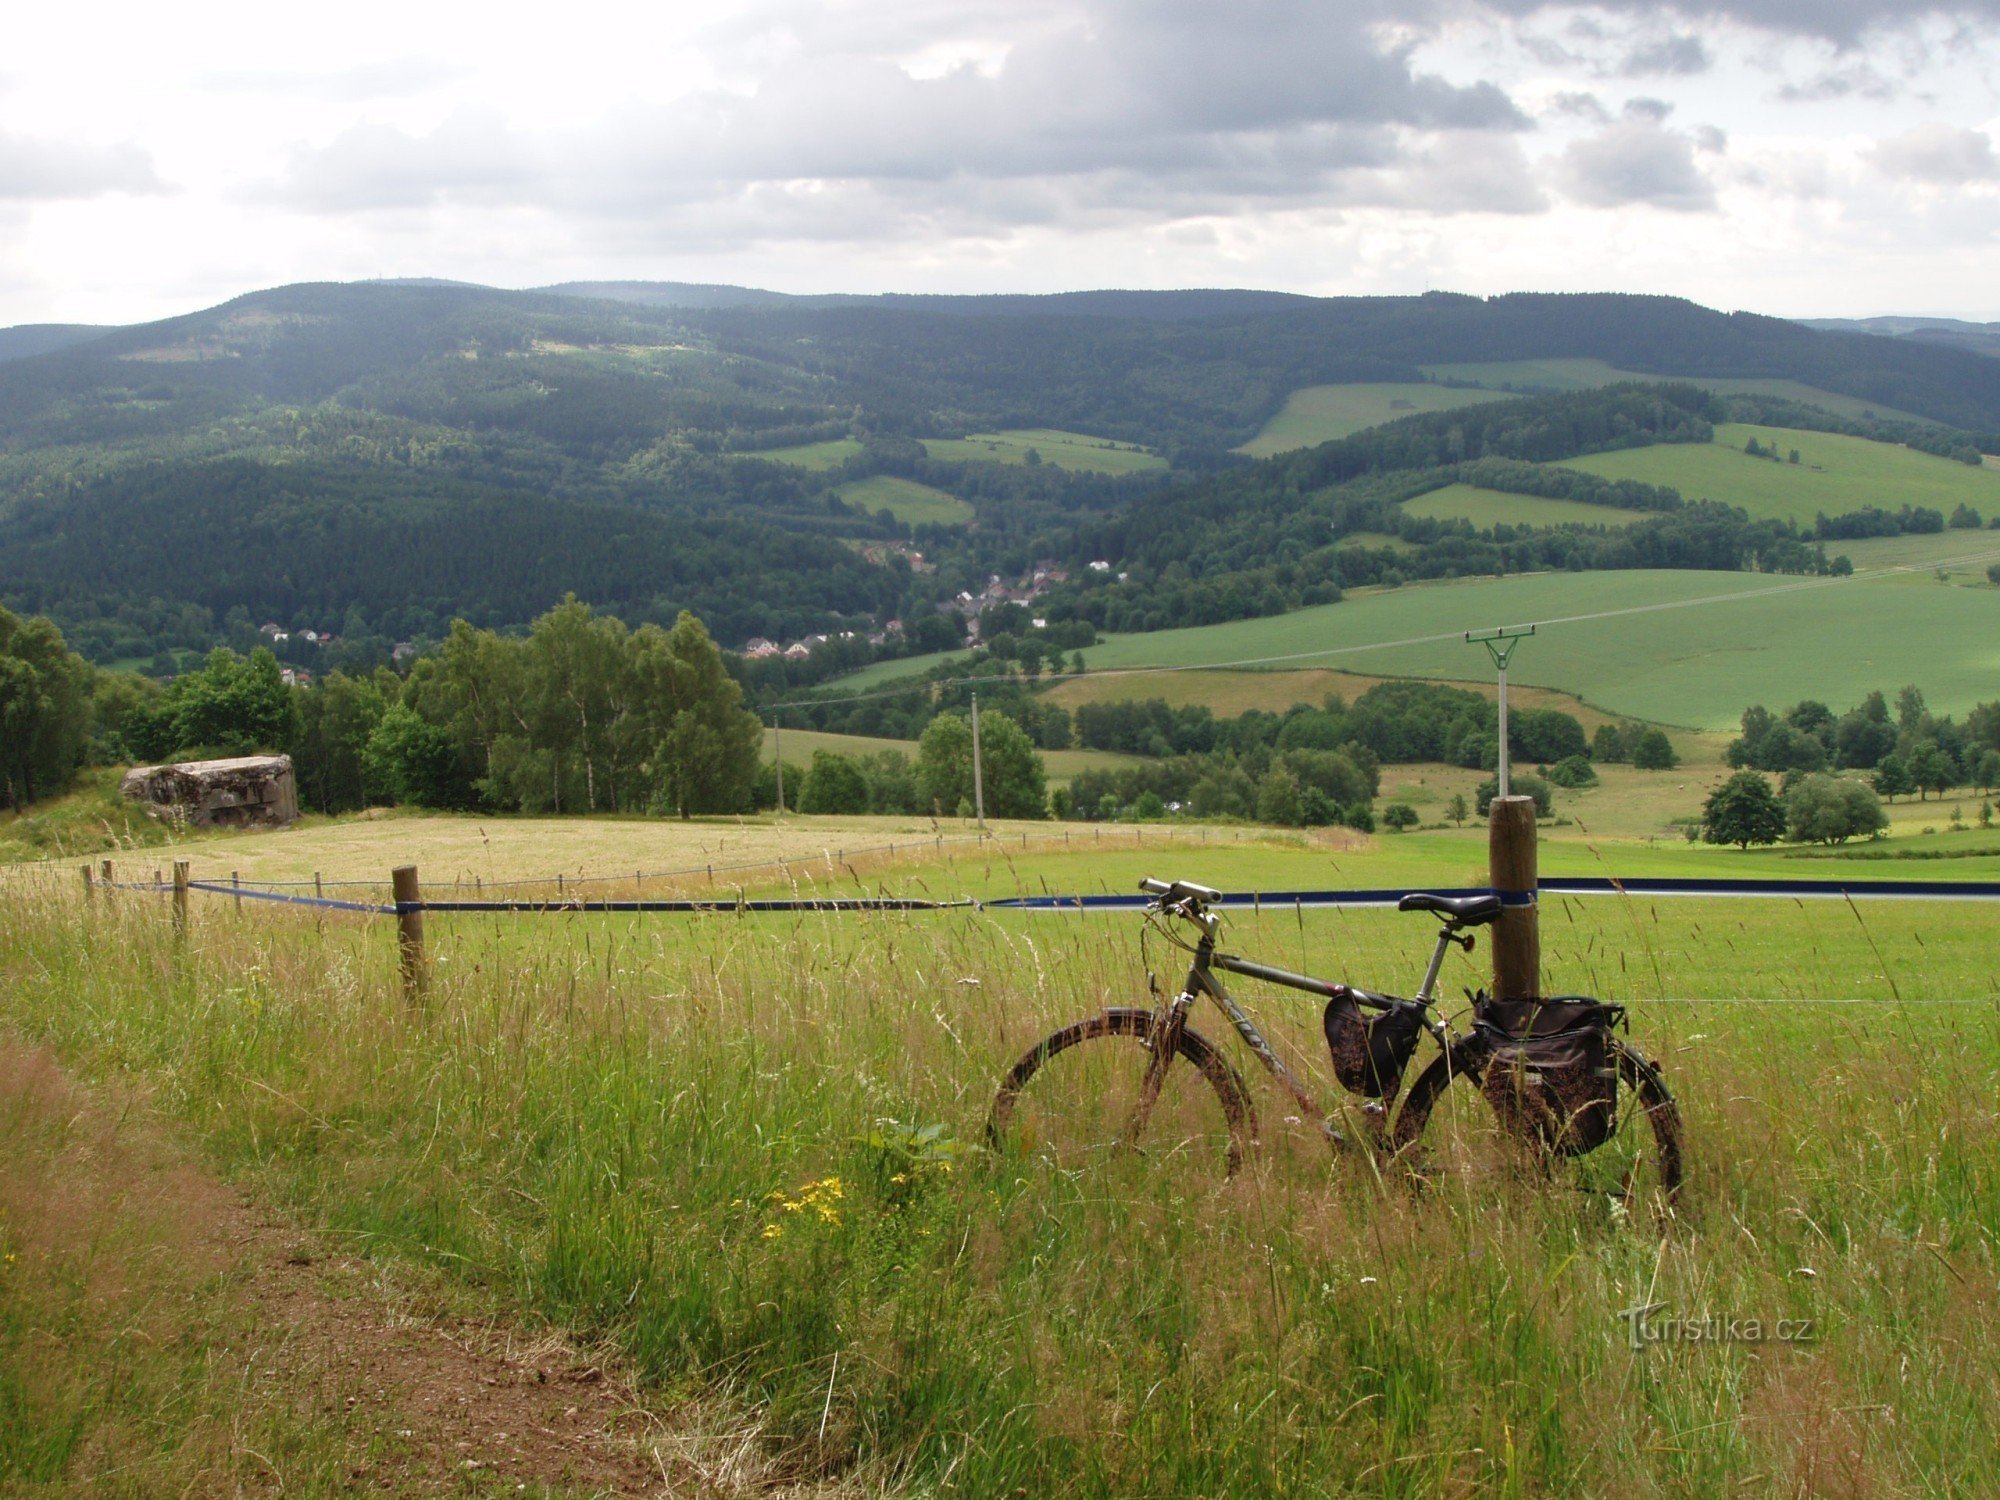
x: 1551, y: 1075
x: 1370, y: 1052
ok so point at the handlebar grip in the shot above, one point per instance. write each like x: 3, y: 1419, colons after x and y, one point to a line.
x: 1154, y: 887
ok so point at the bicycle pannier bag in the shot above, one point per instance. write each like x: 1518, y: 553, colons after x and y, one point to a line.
x: 1551, y: 1075
x: 1370, y: 1052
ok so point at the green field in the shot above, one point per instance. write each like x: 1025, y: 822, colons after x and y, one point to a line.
x: 1062, y: 765
x: 738, y: 1158
x: 815, y: 456
x: 1587, y: 374
x: 909, y: 502
x: 1489, y: 508
x: 1697, y: 666
x: 1835, y: 474
x: 1320, y: 413
x: 1377, y: 539
x: 1065, y: 450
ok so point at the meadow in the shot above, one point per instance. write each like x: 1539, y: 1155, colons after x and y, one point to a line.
x: 1486, y: 509
x: 1669, y: 646
x: 1587, y: 374
x: 1065, y: 450
x: 1835, y: 474
x: 830, y: 454
x: 1317, y: 414
x: 744, y: 1150
x: 1061, y: 765
x: 909, y: 502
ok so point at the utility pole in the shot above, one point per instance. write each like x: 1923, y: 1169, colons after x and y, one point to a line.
x: 978, y: 777
x: 1500, y: 643
x: 1512, y: 852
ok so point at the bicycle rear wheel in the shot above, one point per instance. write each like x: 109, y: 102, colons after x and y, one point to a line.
x: 1445, y: 1133
x: 1073, y: 1106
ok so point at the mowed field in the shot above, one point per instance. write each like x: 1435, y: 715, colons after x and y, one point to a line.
x: 1587, y: 374
x: 800, y: 744
x: 909, y: 502
x: 1687, y: 648
x: 741, y: 1157
x: 817, y: 456
x: 1488, y: 508
x: 1320, y: 413
x: 1065, y: 450
x: 1834, y: 474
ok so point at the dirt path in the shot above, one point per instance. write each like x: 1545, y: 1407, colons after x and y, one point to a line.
x: 145, y: 1301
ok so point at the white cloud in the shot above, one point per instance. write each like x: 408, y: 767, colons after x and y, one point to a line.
x: 1636, y: 161
x: 34, y: 168
x: 1942, y: 154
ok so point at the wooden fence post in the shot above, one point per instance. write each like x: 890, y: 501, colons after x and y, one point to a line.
x: 89, y: 886
x: 180, y: 900
x: 236, y: 883
x: 409, y: 928
x: 1512, y: 864
x: 105, y: 874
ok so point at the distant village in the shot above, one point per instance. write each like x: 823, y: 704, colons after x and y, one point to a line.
x: 967, y: 607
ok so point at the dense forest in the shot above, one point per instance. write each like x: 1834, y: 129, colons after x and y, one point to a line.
x: 374, y: 460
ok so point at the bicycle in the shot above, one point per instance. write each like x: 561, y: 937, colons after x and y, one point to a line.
x: 1563, y: 1092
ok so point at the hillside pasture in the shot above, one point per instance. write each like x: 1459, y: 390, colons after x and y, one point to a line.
x: 1317, y: 414
x: 1551, y: 375
x: 1835, y: 474
x: 741, y: 1153
x: 1673, y: 647
x: 817, y: 457
x: 800, y: 744
x: 1486, y: 509
x: 911, y: 503
x: 1077, y: 451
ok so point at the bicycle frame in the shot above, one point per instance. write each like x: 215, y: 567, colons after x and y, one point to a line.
x: 1201, y: 980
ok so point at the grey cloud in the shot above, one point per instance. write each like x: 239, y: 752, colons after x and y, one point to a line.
x: 1635, y: 161
x: 1582, y: 106
x: 1676, y: 55
x: 1843, y: 22
x: 1108, y: 106
x: 1860, y: 80
x: 1942, y: 154
x: 33, y: 169
x: 1643, y: 108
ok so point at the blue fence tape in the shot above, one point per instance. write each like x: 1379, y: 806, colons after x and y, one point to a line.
x: 1960, y: 890
x: 1956, y: 890
x: 886, y: 903
x: 328, y: 903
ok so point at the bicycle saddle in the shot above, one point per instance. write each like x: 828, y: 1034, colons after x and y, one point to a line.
x: 1466, y: 911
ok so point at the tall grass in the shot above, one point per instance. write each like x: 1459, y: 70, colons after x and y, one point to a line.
x: 707, y: 1139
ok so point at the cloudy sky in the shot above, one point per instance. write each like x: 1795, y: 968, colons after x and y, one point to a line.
x: 1834, y: 158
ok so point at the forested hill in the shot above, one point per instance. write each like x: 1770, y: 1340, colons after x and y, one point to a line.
x: 359, y: 415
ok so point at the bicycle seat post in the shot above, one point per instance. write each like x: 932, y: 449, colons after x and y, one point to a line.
x: 1447, y: 935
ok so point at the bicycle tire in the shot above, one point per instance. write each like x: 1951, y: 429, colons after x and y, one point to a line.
x: 1641, y: 1165
x: 1180, y: 1120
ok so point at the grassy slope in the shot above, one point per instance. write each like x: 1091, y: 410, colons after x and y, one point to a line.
x: 906, y: 500
x: 1066, y: 450
x: 600, y: 1115
x: 1487, y: 508
x: 1320, y: 413
x: 1696, y: 666
x: 1835, y: 474
x: 815, y: 456
x: 800, y: 744
x: 1586, y: 374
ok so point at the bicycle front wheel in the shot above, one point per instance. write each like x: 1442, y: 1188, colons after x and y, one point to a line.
x: 1445, y: 1133
x: 1075, y: 1106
